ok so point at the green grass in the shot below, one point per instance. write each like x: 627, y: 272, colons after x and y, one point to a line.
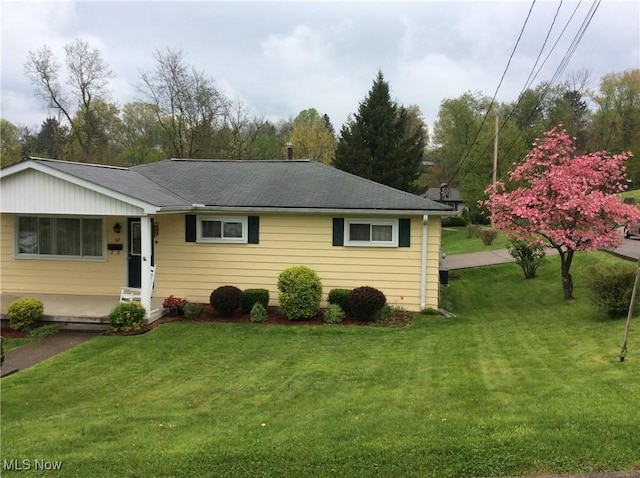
x: 521, y: 382
x: 455, y: 241
x: 16, y: 342
x: 632, y: 194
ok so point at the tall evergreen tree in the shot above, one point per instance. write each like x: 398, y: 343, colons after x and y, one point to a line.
x: 380, y: 142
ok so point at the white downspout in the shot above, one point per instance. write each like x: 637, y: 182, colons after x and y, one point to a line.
x: 423, y: 267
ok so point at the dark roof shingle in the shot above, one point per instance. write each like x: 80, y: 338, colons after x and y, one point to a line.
x: 248, y: 184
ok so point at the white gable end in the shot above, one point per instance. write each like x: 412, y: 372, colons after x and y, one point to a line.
x: 34, y: 192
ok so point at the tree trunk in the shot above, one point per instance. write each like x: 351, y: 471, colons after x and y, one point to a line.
x: 567, y: 281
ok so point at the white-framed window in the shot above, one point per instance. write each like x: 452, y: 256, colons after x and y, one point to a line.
x: 64, y: 237
x: 222, y: 229
x: 371, y: 232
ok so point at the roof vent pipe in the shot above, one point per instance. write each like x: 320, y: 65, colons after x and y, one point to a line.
x: 289, y: 151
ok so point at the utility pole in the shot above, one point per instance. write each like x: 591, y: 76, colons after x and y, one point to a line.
x: 495, y: 158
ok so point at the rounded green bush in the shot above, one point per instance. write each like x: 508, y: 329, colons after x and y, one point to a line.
x: 258, y: 313
x: 611, y: 288
x: 253, y: 296
x: 333, y: 314
x: 300, y: 293
x: 488, y: 234
x: 365, y: 302
x: 127, y: 317
x: 340, y: 297
x: 192, y: 310
x: 24, y: 312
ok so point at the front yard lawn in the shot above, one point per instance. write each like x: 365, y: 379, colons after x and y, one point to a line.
x: 521, y: 382
x: 455, y: 241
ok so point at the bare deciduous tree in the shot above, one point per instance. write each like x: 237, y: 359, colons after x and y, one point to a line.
x: 187, y: 104
x: 87, y: 82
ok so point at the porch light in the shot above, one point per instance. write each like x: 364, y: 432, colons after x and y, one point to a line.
x: 117, y: 228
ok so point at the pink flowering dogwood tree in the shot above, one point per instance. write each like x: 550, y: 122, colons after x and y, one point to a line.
x: 569, y: 201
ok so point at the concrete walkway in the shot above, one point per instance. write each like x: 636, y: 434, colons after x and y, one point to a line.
x: 39, y: 350
x: 629, y: 249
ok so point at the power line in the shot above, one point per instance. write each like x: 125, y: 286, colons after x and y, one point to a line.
x: 533, y: 76
x: 559, y: 70
x: 562, y: 66
x: 495, y: 93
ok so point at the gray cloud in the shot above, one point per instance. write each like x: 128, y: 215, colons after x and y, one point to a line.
x: 282, y: 57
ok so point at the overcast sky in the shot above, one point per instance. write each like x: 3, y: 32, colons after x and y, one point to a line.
x: 282, y: 57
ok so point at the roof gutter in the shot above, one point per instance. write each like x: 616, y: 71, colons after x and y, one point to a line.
x: 200, y: 208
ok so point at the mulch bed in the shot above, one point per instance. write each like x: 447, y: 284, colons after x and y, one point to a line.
x: 8, y: 333
x: 274, y: 317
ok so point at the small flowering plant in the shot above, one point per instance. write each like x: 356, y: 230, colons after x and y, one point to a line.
x: 173, y: 302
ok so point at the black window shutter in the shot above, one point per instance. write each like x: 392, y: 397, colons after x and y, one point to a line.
x: 404, y: 232
x: 338, y: 231
x: 190, y: 228
x: 253, y: 234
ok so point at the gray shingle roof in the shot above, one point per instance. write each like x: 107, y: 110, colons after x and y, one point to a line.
x: 121, y: 180
x: 278, y: 184
x: 249, y: 184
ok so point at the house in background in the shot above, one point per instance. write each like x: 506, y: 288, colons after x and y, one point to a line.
x: 448, y: 196
x: 89, y: 229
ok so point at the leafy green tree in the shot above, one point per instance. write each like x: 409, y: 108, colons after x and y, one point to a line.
x: 10, y: 144
x: 51, y: 141
x: 312, y: 137
x: 268, y: 143
x: 141, y: 135
x: 464, y: 139
x: 379, y: 143
x: 98, y: 129
x: 616, y: 120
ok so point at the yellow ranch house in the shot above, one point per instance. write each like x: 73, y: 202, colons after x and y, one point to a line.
x: 87, y: 229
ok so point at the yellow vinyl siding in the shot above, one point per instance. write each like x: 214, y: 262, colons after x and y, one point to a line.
x: 193, y: 270
x: 60, y: 276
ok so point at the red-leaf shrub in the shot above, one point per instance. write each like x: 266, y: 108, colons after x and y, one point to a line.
x: 226, y: 300
x: 365, y: 301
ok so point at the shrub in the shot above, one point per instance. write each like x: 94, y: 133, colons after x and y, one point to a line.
x: 226, y: 300
x: 258, y: 313
x: 365, y: 301
x: 1, y: 350
x: 300, y: 292
x: 487, y: 234
x: 24, y: 312
x: 192, y: 310
x: 127, y: 317
x: 472, y: 230
x: 250, y: 297
x: 340, y: 297
x: 45, y: 331
x: 387, y: 314
x: 529, y: 255
x: 333, y: 314
x: 454, y: 221
x: 430, y: 311
x: 611, y: 287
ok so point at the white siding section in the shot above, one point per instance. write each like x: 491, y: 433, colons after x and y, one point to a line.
x: 33, y: 192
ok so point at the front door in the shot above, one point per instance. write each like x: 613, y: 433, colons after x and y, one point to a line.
x: 134, y: 251
x: 134, y: 245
